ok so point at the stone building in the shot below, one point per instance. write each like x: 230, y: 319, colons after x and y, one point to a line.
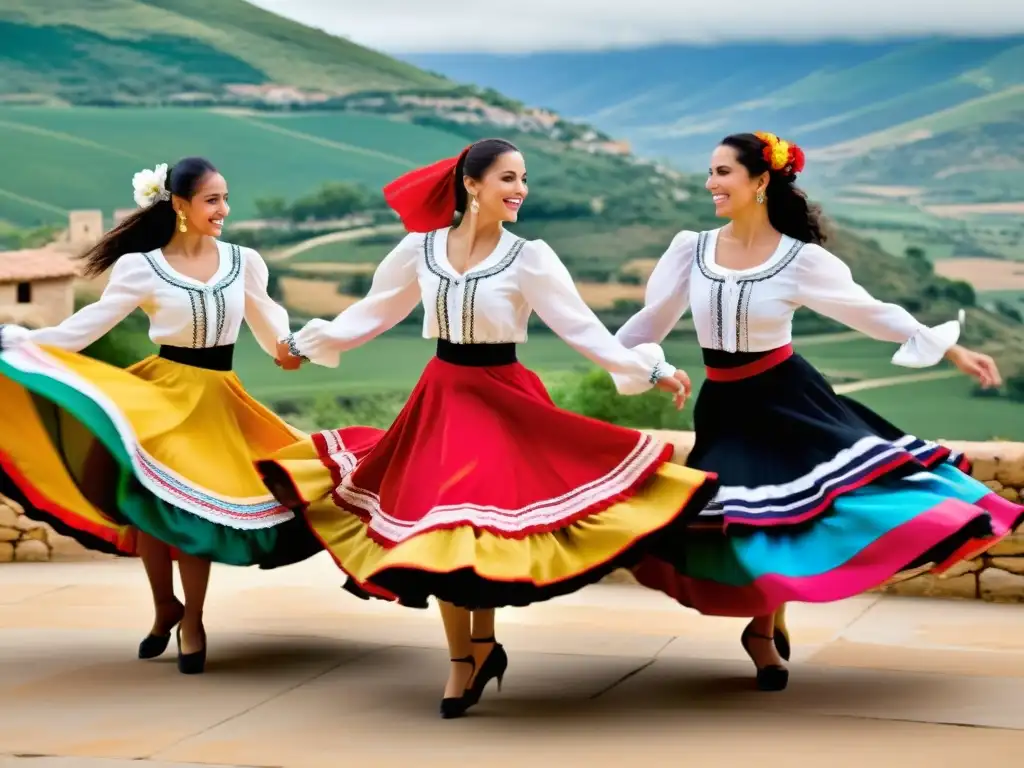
x: 37, y: 286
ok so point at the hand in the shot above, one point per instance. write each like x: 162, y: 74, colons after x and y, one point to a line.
x: 974, y: 364
x: 285, y: 359
x: 679, y: 385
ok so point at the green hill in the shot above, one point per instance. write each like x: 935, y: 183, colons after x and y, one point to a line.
x: 91, y: 153
x: 94, y: 50
x: 892, y: 112
x: 601, y: 208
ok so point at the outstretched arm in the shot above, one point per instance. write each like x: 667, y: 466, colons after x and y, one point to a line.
x: 267, y: 319
x: 826, y: 286
x: 548, y: 287
x: 667, y: 296
x: 125, y: 290
x: 392, y: 296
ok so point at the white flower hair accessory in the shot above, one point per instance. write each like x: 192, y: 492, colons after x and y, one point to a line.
x: 149, y: 186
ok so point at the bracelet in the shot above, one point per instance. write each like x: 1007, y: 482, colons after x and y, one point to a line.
x: 655, y: 374
x: 293, y: 348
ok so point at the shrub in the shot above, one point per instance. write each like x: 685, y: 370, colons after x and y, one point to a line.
x: 593, y: 394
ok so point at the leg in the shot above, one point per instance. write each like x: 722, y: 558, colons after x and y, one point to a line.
x: 759, y: 642
x: 489, y: 655
x: 195, y: 576
x: 781, y: 634
x: 483, y: 637
x: 456, y: 629
x: 156, y: 558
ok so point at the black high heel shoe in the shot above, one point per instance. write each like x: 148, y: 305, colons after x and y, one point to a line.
x: 771, y: 678
x: 191, y: 663
x: 494, y: 667
x: 154, y: 645
x: 456, y: 706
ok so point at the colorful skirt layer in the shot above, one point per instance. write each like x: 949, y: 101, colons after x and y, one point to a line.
x: 820, y: 499
x: 483, y: 493
x: 162, y: 447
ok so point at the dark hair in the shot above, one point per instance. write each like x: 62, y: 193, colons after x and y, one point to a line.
x: 148, y: 228
x: 475, y: 162
x: 789, y: 210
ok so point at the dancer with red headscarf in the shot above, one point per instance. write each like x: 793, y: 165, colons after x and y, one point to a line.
x: 482, y: 493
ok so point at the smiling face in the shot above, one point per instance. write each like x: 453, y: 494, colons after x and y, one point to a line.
x: 502, y: 189
x: 206, y: 211
x: 732, y: 188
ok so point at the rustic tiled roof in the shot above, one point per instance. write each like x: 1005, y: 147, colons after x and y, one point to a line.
x: 36, y: 264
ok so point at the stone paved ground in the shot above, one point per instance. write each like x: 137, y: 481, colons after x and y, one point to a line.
x: 303, y: 675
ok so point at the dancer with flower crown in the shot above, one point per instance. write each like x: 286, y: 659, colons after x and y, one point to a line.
x: 160, y: 455
x: 482, y: 493
x: 820, y: 498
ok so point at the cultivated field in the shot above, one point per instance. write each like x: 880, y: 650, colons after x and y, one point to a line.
x: 984, y: 274
x: 91, y: 154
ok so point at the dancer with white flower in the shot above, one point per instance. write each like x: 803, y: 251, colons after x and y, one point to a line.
x: 156, y: 460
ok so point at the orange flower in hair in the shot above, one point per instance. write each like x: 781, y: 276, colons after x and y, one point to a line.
x: 781, y: 156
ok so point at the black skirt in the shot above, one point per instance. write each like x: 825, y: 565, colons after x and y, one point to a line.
x: 784, y: 444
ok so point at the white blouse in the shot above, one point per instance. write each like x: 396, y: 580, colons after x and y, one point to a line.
x: 182, y: 311
x: 751, y: 310
x: 489, y: 304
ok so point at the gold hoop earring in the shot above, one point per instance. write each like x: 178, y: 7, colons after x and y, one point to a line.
x: 181, y: 222
x: 760, y: 198
x: 474, y: 206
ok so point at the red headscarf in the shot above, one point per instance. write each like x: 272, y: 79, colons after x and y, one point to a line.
x: 424, y: 199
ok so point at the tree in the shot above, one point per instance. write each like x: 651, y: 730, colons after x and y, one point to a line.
x: 919, y: 261
x: 334, y: 200
x: 272, y: 208
x: 1015, y: 387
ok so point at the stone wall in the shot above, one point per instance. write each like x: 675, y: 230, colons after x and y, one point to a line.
x: 997, y: 576
x: 22, y: 539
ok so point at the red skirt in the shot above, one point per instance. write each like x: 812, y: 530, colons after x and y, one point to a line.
x: 484, y: 493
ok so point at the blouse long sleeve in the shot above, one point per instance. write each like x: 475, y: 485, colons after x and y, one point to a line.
x: 826, y: 286
x: 267, y: 319
x: 548, y: 287
x: 125, y: 291
x: 393, y: 294
x: 667, y: 296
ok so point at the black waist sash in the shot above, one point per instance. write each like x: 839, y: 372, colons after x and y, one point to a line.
x: 210, y: 358
x: 476, y: 355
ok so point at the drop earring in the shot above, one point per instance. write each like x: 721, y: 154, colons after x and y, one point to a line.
x: 474, y: 206
x: 760, y: 198
x: 181, y: 222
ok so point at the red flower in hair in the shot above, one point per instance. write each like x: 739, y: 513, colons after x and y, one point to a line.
x: 796, y: 159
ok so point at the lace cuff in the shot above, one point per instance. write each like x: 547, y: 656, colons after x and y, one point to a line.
x: 929, y: 345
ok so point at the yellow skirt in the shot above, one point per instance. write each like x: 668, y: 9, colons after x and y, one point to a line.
x: 161, y: 447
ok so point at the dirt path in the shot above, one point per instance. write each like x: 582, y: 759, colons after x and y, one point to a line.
x: 891, y: 381
x: 332, y: 237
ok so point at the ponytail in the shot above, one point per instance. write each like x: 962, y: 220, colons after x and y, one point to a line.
x: 791, y: 213
x: 152, y: 226
x: 789, y: 210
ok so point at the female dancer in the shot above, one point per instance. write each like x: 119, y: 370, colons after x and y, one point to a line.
x: 820, y: 498
x: 132, y: 461
x: 482, y: 493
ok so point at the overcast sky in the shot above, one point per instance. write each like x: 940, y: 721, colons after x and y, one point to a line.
x: 528, y: 25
